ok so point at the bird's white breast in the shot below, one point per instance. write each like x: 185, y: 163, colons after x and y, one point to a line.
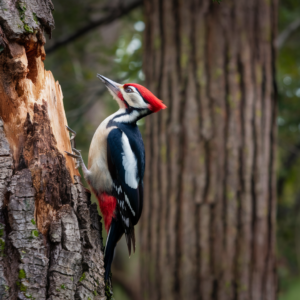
x: 99, y: 176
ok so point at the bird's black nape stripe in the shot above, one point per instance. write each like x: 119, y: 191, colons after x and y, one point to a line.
x: 142, y: 96
x: 131, y: 109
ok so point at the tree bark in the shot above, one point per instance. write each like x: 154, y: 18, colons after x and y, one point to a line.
x: 208, y: 225
x: 50, y: 234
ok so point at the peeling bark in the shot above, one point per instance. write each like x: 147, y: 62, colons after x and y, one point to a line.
x: 208, y: 224
x: 50, y: 234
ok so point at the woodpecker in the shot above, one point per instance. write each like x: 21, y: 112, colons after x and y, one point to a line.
x: 116, y: 163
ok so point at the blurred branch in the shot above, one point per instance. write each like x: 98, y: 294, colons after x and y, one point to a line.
x: 130, y: 287
x: 285, y: 34
x: 113, y: 15
x: 81, y: 110
x: 86, y: 106
x: 288, y: 163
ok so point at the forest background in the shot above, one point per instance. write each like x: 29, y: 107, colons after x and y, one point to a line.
x: 115, y: 49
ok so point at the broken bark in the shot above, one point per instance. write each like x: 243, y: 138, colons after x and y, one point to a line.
x: 50, y: 234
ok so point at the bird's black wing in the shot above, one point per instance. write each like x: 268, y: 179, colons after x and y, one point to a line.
x: 127, y: 185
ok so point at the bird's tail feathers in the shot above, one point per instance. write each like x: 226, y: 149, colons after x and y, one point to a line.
x: 130, y: 239
x: 114, y: 235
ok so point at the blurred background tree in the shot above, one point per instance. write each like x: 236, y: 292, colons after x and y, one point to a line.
x: 208, y: 226
x: 114, y: 49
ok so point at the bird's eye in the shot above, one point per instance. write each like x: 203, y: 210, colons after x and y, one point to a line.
x: 128, y: 90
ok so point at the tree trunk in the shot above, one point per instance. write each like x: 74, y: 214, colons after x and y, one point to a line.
x: 50, y: 233
x: 208, y: 225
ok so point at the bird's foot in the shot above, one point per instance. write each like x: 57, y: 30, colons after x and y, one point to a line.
x: 77, y: 156
x: 73, y: 135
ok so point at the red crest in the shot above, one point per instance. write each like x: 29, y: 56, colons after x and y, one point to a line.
x: 155, y: 103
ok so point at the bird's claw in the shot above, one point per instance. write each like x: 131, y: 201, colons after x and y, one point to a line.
x: 72, y: 155
x: 78, y: 152
x: 73, y: 135
x: 77, y: 157
x: 71, y: 130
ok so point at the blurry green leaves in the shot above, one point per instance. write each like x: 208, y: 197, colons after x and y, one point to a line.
x: 288, y: 81
x: 288, y: 121
x: 139, y: 26
x: 129, y: 54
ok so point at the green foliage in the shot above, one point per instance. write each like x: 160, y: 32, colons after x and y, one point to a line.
x: 63, y: 287
x: 2, y: 246
x: 288, y: 211
x: 108, y: 292
x: 22, y: 10
x: 292, y: 290
x: 28, y: 28
x: 35, y: 18
x: 1, y: 230
x: 23, y: 288
x: 33, y: 222
x: 34, y: 233
x: 22, y: 274
x: 82, y: 277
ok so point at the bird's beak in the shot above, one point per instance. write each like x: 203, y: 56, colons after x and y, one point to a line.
x: 112, y: 86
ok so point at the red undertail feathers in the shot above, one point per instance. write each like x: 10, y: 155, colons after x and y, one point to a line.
x: 107, y: 205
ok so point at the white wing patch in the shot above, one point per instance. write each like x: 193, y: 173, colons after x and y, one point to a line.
x: 129, y: 163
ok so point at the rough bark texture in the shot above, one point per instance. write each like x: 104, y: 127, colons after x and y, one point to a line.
x: 50, y: 233
x: 208, y: 225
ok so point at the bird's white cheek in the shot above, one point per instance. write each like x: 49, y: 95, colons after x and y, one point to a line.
x: 135, y: 100
x: 126, y: 97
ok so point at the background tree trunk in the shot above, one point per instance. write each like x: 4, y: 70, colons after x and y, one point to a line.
x: 208, y: 225
x: 50, y: 233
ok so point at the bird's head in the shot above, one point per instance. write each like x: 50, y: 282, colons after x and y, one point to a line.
x: 133, y: 96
